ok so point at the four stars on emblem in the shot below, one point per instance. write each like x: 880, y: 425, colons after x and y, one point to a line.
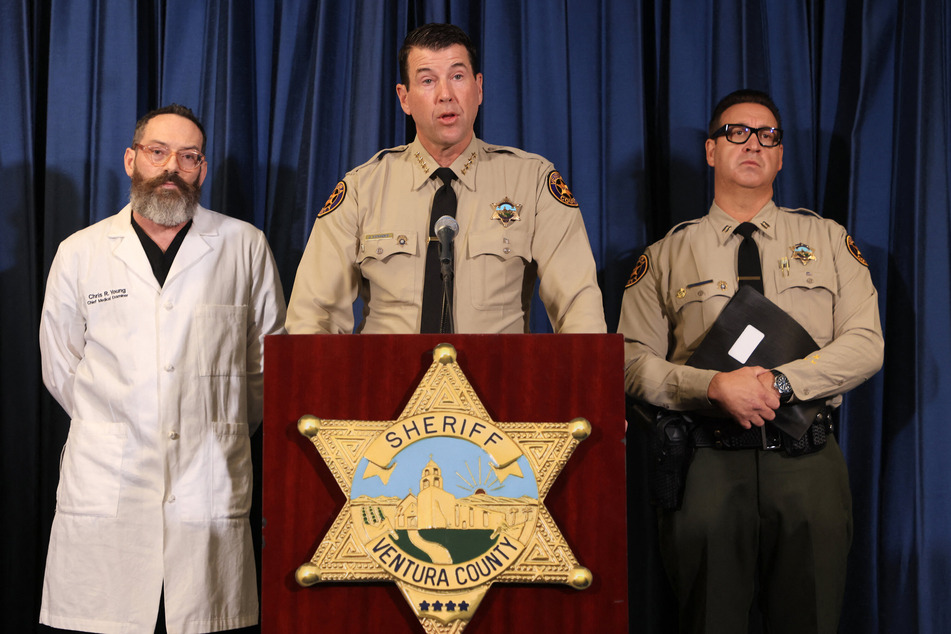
x: 437, y: 606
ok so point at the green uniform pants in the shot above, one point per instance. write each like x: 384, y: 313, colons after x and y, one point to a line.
x: 750, y: 514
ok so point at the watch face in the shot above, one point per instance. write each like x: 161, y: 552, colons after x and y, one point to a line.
x: 781, y: 383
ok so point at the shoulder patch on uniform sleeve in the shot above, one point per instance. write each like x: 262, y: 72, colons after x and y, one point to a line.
x: 339, y: 193
x: 641, y: 267
x: 559, y: 189
x: 854, y: 250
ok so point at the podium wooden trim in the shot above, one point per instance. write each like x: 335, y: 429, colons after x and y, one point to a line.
x: 547, y: 378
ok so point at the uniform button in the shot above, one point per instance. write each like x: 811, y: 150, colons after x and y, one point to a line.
x: 169, y: 367
x: 506, y: 250
x: 168, y: 305
x: 173, y: 435
x: 170, y: 499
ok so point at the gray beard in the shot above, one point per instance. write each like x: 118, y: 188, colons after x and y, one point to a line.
x: 168, y: 212
x: 168, y: 209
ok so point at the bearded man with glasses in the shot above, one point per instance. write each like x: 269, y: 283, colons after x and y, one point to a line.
x: 152, y: 339
x: 765, y: 500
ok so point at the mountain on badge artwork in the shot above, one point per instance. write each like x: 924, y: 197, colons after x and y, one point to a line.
x: 444, y: 504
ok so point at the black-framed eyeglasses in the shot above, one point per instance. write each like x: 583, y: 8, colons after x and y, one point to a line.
x: 740, y: 134
x: 159, y: 156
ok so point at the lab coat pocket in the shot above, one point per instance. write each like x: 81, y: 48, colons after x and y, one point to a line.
x: 222, y: 340
x: 217, y: 483
x: 91, y: 469
x: 231, y: 471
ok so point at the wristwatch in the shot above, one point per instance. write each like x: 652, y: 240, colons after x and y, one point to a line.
x: 781, y: 383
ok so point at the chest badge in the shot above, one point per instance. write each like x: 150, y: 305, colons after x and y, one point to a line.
x: 506, y: 212
x: 802, y: 252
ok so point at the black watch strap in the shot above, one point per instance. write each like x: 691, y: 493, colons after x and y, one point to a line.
x: 781, y: 383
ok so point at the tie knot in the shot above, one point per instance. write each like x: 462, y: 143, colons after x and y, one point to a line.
x: 445, y: 174
x: 745, y: 229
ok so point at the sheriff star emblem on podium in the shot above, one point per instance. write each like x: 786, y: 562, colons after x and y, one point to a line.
x: 444, y: 501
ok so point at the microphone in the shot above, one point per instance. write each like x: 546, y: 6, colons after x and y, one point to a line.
x: 446, y: 229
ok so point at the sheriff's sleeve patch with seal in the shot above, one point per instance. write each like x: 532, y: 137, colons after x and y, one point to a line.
x: 854, y: 250
x: 641, y: 267
x: 339, y: 193
x: 559, y: 189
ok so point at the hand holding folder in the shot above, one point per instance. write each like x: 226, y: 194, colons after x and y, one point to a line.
x: 751, y: 331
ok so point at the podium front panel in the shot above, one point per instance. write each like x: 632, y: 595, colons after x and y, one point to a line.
x: 519, y: 378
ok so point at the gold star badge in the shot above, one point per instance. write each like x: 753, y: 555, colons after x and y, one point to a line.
x: 802, y: 252
x: 444, y: 501
x: 506, y: 212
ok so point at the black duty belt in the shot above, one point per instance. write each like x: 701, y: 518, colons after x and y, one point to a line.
x: 725, y: 433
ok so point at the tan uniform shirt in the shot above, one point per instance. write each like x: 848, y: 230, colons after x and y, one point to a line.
x: 811, y: 269
x: 370, y: 240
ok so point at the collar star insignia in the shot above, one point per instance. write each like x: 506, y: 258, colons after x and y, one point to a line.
x: 802, y: 252
x: 506, y: 212
x: 444, y: 501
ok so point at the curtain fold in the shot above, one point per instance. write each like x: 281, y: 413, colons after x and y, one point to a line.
x: 293, y: 93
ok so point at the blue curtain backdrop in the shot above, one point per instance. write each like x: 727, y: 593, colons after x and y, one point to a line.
x: 616, y: 93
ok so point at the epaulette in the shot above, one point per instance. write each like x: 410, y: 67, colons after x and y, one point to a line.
x: 802, y: 211
x: 499, y: 148
x: 391, y: 150
x: 681, y: 226
x: 376, y: 158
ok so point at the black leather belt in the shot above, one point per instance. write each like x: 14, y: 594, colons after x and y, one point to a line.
x: 725, y: 433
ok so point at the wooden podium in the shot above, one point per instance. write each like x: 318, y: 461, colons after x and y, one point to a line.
x: 547, y: 378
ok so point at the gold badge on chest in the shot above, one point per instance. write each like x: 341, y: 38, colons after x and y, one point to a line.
x: 506, y: 212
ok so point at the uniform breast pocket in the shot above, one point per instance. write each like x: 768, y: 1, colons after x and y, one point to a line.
x: 808, y: 295
x: 389, y: 262
x: 222, y: 340
x: 91, y: 470
x: 697, y: 308
x: 497, y: 260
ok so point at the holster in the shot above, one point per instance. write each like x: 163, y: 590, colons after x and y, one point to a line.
x: 669, y: 454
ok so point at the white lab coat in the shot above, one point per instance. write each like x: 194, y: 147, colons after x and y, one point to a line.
x: 160, y: 384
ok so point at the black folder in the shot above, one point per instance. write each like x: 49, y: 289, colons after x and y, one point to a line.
x: 783, y: 340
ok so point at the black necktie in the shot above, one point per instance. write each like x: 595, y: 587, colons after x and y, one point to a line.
x: 747, y: 260
x: 434, y: 317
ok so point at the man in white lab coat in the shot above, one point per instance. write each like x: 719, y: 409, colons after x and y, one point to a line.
x: 152, y: 339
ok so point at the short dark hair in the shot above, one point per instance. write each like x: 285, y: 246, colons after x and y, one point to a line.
x: 174, y: 108
x: 745, y: 95
x: 435, y: 37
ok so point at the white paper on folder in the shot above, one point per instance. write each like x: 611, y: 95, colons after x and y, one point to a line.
x: 746, y: 343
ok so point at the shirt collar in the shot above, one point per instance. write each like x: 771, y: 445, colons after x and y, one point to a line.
x: 724, y: 224
x: 424, y: 165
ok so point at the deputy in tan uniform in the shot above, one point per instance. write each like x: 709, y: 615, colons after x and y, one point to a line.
x: 517, y: 218
x: 749, y: 512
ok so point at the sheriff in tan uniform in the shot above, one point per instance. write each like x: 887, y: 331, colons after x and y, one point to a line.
x: 811, y: 269
x: 517, y: 219
x: 753, y: 514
